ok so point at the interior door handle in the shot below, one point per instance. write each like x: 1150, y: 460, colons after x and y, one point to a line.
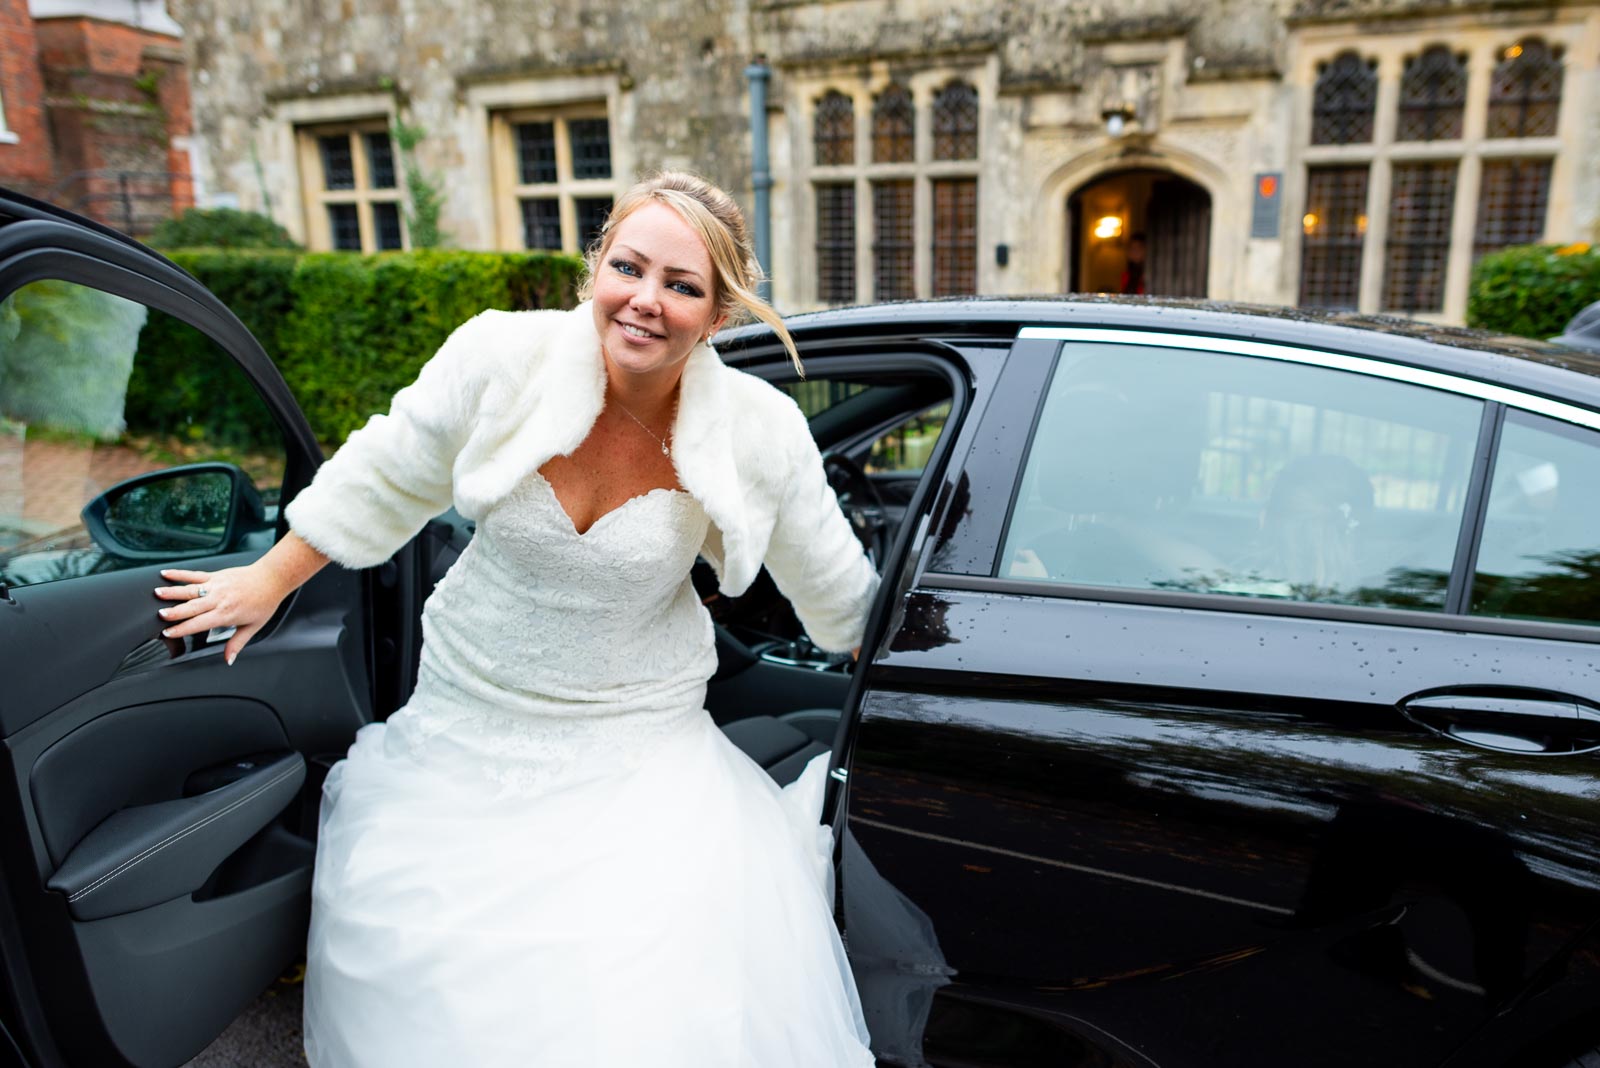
x: 1516, y: 722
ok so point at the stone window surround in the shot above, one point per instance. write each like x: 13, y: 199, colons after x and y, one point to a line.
x: 862, y: 83
x: 566, y: 190
x: 289, y: 119
x: 1484, y: 46
x: 318, y: 198
x: 489, y: 149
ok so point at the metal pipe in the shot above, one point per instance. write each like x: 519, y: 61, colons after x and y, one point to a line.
x: 757, y: 74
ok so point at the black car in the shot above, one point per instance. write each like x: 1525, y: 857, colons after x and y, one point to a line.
x: 1232, y: 697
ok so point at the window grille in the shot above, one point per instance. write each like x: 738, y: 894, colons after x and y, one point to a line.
x: 1525, y: 91
x: 955, y: 122
x: 836, y: 242
x: 536, y: 152
x: 1421, y: 202
x: 541, y: 224
x: 893, y: 241
x: 955, y: 237
x: 1346, y: 96
x: 338, y: 166
x: 591, y: 148
x: 344, y: 224
x: 380, y: 160
x: 1511, y: 204
x: 893, y: 126
x: 386, y: 221
x: 1335, y: 229
x: 1433, y: 96
x: 834, y: 129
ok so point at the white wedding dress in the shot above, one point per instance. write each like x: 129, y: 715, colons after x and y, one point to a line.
x: 551, y: 856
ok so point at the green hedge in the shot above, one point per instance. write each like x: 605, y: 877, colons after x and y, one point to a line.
x: 1533, y: 290
x: 346, y: 330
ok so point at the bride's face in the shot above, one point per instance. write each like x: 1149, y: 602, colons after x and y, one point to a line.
x: 654, y: 292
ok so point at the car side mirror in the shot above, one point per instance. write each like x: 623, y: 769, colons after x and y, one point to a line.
x: 192, y: 510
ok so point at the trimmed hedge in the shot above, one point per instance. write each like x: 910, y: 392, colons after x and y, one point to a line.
x: 1533, y: 290
x: 346, y: 330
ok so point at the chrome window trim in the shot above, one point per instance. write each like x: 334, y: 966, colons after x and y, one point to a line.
x: 1418, y: 376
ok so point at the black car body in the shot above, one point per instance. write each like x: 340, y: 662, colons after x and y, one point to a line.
x: 1156, y: 755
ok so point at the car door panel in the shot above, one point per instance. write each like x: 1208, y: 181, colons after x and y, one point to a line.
x: 158, y: 805
x: 1098, y: 809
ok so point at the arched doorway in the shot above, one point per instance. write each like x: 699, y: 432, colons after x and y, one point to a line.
x: 1110, y: 217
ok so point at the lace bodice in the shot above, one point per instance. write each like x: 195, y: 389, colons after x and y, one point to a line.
x: 546, y: 652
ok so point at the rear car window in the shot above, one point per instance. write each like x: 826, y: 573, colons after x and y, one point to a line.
x: 1206, y: 472
x: 1539, y: 557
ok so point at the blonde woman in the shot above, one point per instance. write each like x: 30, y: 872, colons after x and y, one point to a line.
x: 551, y: 856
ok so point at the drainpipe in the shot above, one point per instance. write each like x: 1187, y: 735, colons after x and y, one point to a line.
x: 757, y: 74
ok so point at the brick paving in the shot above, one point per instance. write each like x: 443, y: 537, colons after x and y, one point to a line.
x: 44, y: 484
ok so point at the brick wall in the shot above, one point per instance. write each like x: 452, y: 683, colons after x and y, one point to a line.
x: 27, y: 164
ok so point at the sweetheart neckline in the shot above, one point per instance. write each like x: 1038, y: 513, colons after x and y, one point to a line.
x: 555, y: 499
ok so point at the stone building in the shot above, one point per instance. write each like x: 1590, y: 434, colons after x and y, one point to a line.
x: 94, y: 108
x: 1338, y: 153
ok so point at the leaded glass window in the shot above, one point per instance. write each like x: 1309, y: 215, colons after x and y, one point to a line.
x: 894, y: 126
x: 541, y: 224
x: 536, y: 152
x: 955, y: 237
x: 1511, y: 204
x: 1421, y: 203
x: 592, y: 212
x: 834, y: 129
x: 1433, y: 96
x: 1334, y: 231
x: 380, y: 160
x: 338, y: 165
x: 955, y: 122
x: 344, y: 224
x: 1345, y: 98
x: 591, y: 147
x: 1525, y: 91
x: 893, y: 241
x: 836, y: 242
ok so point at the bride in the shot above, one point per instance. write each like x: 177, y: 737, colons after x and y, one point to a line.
x: 550, y: 855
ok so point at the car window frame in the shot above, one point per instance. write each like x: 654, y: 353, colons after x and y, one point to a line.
x: 966, y: 556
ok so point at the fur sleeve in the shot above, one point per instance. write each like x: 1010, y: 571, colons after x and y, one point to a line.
x: 814, y: 556
x: 394, y: 474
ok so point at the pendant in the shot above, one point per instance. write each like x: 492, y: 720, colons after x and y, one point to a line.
x: 664, y: 451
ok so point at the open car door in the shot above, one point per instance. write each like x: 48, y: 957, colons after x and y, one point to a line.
x: 157, y: 807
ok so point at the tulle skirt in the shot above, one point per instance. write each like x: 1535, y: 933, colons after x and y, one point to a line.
x: 672, y: 913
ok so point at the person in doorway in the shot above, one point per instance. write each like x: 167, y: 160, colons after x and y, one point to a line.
x: 551, y: 855
x: 1133, y: 273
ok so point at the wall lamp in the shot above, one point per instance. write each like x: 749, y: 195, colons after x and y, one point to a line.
x: 1117, y: 117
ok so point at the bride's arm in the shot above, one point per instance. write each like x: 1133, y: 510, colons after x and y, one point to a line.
x: 814, y: 556
x: 395, y: 473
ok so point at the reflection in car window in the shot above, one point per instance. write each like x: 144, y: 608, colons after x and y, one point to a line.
x: 96, y: 389
x: 1204, y: 472
x: 906, y: 448
x: 817, y: 395
x: 1539, y: 557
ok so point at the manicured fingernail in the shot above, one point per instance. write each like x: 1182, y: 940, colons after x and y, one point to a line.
x: 230, y: 658
x: 162, y: 612
x: 167, y: 633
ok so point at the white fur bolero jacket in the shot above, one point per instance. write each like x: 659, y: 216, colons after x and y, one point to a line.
x: 509, y: 390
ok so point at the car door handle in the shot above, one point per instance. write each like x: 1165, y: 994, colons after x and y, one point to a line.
x: 1511, y: 722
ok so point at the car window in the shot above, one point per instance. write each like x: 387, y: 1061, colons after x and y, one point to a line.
x: 1539, y: 557
x: 1204, y: 472
x: 905, y: 448
x: 817, y: 395
x: 96, y: 389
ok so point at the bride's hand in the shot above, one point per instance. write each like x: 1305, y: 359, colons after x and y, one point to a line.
x: 240, y: 597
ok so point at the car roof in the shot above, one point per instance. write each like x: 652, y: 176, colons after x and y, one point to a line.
x: 1538, y: 367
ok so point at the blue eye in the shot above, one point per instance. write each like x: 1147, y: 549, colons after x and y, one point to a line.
x: 686, y: 289
x: 624, y: 266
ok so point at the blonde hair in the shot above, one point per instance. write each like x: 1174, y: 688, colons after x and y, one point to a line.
x: 716, y: 218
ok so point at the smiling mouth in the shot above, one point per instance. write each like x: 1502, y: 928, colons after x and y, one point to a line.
x: 636, y: 331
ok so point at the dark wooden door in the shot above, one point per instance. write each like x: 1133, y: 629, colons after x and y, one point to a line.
x: 1179, y: 239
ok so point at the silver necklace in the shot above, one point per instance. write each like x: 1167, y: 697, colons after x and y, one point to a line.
x: 664, y: 450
